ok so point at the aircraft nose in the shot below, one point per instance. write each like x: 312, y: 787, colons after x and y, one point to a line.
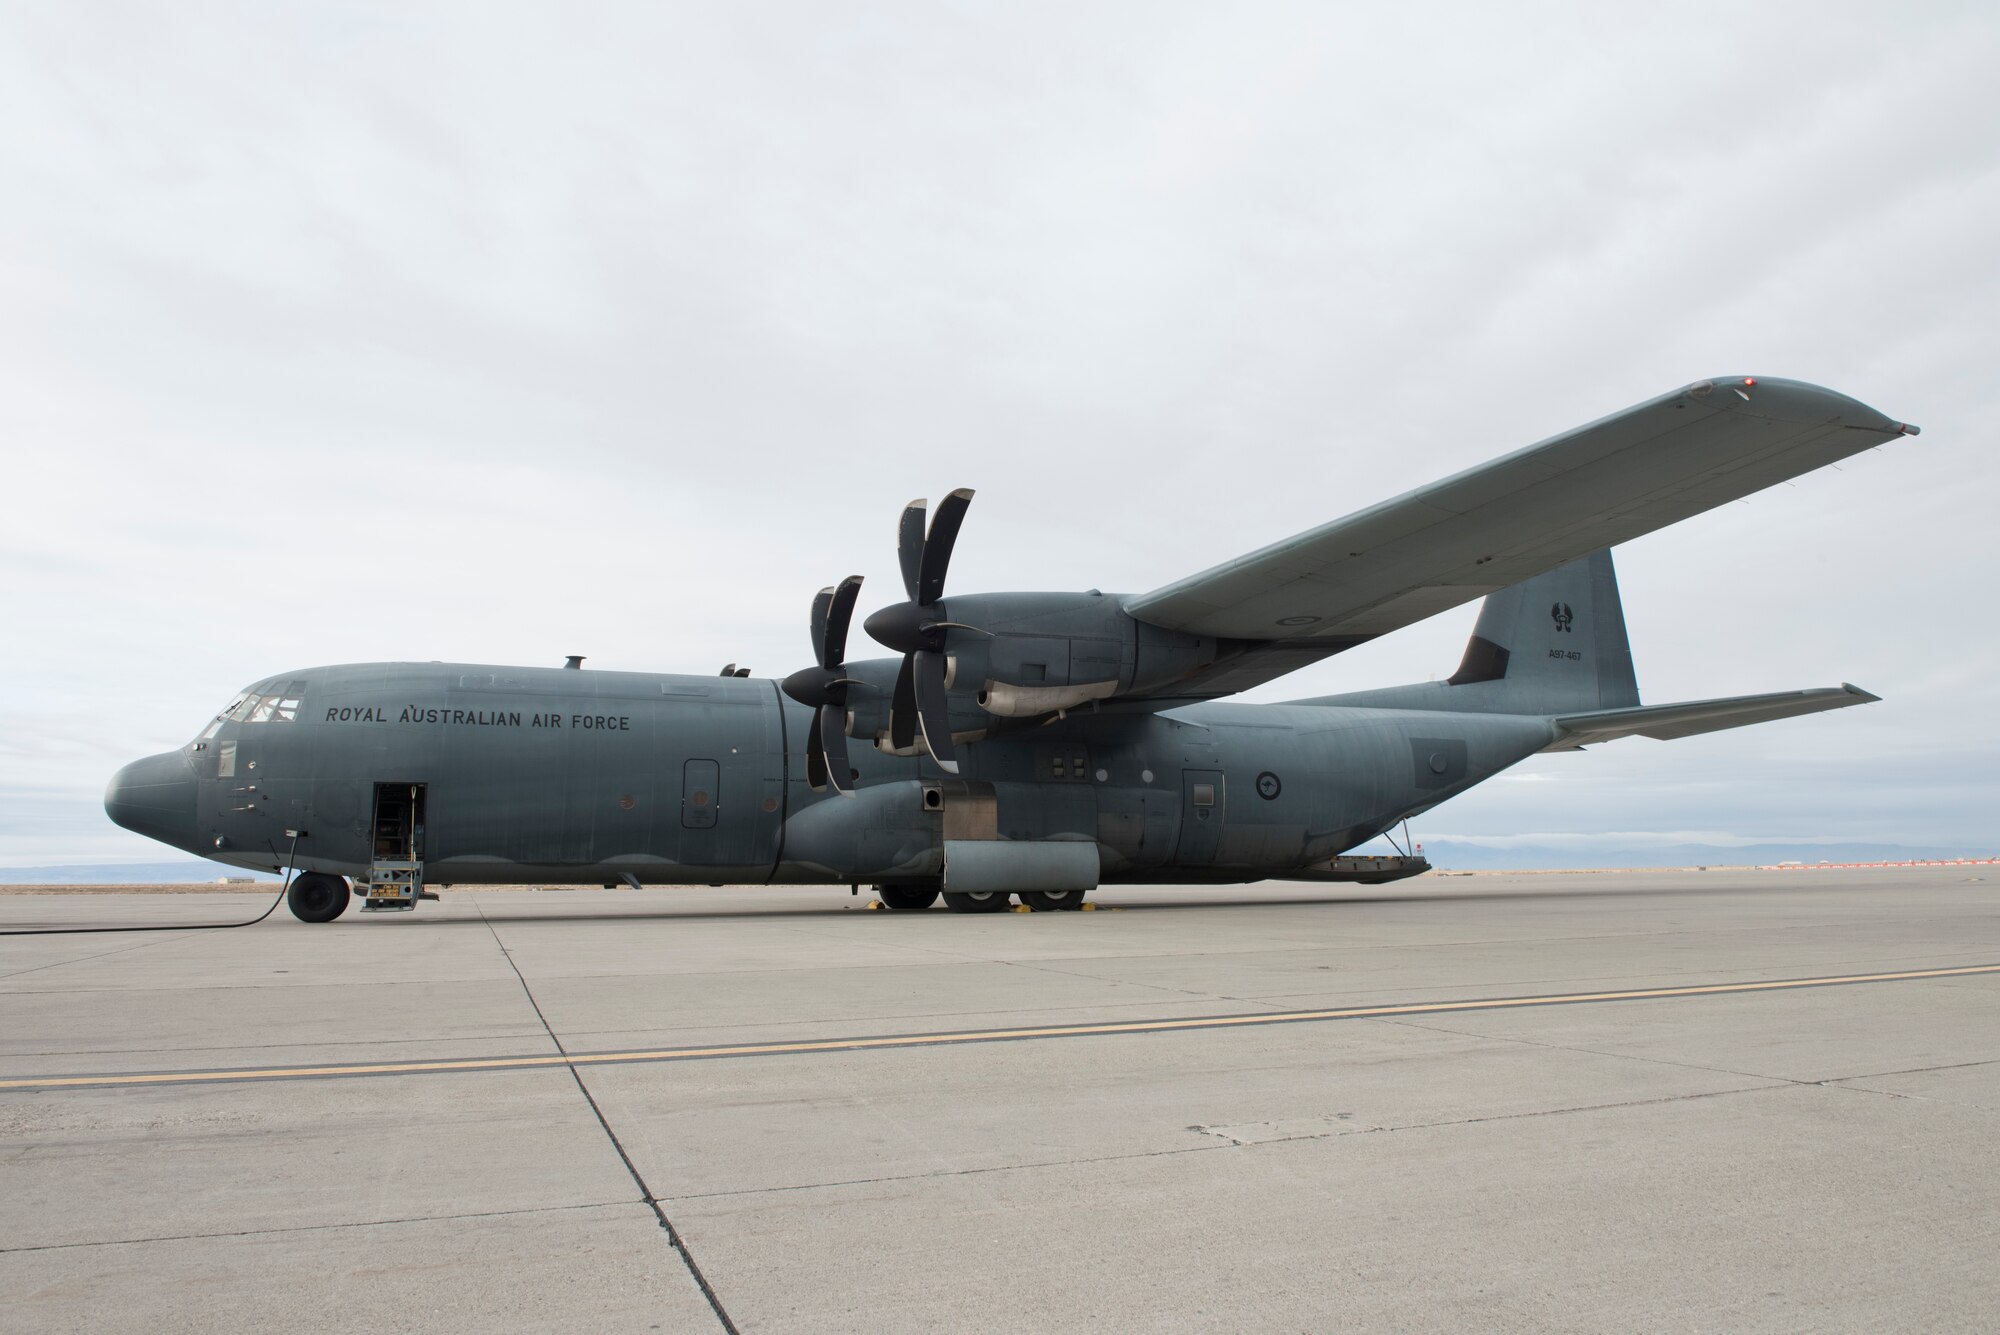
x: 155, y: 797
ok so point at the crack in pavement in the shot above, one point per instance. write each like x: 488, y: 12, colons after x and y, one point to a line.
x: 1826, y: 1082
x: 1223, y: 1141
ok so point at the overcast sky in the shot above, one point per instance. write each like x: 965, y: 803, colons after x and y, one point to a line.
x: 498, y: 333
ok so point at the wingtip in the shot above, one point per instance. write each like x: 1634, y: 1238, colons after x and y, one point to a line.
x: 1861, y: 697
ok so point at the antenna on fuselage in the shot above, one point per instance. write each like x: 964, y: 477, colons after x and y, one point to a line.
x: 574, y: 663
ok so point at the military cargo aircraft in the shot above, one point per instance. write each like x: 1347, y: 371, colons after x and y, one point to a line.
x: 1028, y: 746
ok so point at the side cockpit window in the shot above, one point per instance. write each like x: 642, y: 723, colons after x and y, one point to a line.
x: 235, y: 711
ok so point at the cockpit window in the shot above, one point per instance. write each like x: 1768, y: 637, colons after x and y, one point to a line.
x: 235, y: 710
x: 258, y: 709
x: 274, y: 709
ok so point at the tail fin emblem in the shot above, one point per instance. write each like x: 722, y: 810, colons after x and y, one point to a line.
x: 1562, y: 616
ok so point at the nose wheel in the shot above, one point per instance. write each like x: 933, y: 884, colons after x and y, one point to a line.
x: 316, y: 896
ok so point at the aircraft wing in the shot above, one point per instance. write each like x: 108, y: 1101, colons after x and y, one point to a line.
x: 1667, y: 722
x: 1528, y: 512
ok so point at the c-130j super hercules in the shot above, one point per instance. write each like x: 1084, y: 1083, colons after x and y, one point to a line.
x: 1023, y: 745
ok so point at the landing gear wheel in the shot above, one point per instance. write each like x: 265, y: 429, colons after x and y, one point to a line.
x: 983, y: 901
x: 1048, y: 901
x: 906, y: 898
x: 317, y: 897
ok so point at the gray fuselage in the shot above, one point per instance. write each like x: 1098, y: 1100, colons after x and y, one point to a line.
x: 534, y: 774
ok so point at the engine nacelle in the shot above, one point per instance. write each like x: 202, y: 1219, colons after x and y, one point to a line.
x: 1028, y: 655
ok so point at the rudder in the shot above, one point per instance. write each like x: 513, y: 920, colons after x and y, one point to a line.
x: 1554, y: 644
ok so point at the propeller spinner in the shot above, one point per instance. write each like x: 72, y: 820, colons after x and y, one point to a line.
x: 823, y: 688
x: 916, y: 629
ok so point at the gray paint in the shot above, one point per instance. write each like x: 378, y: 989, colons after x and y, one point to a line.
x: 1506, y: 521
x: 572, y: 774
x: 985, y: 867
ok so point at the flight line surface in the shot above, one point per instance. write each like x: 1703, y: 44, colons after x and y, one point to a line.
x: 1730, y: 1099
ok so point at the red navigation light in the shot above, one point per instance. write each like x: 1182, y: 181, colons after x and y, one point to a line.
x: 1749, y: 380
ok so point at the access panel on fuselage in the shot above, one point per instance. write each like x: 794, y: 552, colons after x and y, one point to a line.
x: 1204, y: 804
x: 720, y: 745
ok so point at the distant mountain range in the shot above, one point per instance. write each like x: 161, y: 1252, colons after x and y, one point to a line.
x: 187, y: 871
x: 1457, y: 855
x: 1446, y: 854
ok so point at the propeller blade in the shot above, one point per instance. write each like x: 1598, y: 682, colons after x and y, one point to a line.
x: 830, y: 724
x: 933, y: 708
x: 937, y: 548
x: 910, y: 544
x: 822, y: 601
x: 831, y: 639
x: 815, y: 757
x: 903, y: 709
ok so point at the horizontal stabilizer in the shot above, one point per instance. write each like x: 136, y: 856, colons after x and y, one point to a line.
x: 1667, y: 722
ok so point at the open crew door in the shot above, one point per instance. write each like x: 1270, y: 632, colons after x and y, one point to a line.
x: 396, y: 867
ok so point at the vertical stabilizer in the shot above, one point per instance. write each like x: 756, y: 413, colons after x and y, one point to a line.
x: 1554, y: 644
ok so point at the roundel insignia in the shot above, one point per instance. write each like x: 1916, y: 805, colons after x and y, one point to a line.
x: 1268, y: 786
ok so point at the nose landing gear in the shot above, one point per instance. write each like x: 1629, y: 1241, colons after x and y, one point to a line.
x: 316, y: 896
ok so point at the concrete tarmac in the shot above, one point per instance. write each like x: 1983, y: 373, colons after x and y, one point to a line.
x: 375, y: 1125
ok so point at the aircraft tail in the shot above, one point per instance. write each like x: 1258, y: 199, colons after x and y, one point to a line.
x: 1554, y: 645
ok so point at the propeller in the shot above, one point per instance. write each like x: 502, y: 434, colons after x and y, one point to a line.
x: 823, y: 688
x: 916, y: 629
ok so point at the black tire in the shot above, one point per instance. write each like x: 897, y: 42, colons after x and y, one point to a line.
x: 986, y: 901
x: 906, y: 898
x: 1050, y: 901
x: 316, y: 896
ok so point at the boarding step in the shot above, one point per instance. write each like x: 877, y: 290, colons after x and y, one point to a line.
x: 393, y: 885
x: 1364, y: 870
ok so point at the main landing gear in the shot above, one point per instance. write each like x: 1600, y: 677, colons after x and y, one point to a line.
x: 316, y: 896
x: 983, y: 901
x: 907, y: 898
x: 911, y: 898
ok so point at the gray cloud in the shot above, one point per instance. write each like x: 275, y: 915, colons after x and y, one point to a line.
x: 670, y: 309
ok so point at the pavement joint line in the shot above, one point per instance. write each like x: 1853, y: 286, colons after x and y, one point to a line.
x: 331, y: 1226
x: 674, y: 1239
x: 83, y: 959
x: 980, y: 1170
x: 572, y: 1061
